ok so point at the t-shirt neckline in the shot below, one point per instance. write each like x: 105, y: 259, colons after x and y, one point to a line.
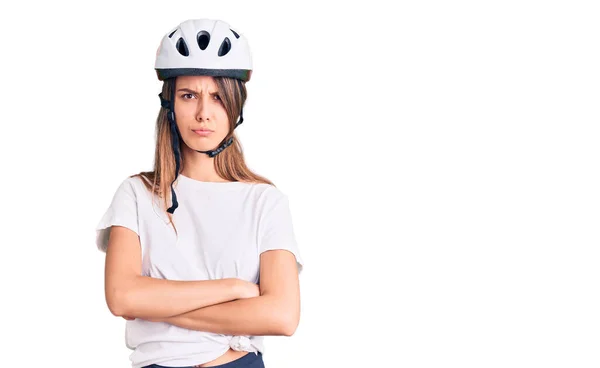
x: 186, y: 180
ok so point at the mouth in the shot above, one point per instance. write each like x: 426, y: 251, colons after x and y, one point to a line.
x: 202, y: 132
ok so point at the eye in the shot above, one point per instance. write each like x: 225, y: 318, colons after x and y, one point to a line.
x: 187, y: 94
x: 217, y: 97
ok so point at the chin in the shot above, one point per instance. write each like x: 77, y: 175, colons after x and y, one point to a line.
x: 202, y: 143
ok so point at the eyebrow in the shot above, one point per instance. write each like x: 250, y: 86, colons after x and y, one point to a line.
x: 192, y: 91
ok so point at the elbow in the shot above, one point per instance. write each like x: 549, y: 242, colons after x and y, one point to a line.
x: 120, y: 298
x: 289, y: 323
x: 115, y: 301
x: 287, y: 312
x: 282, y: 317
x: 289, y: 329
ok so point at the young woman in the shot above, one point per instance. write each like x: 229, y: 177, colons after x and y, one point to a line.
x: 201, y: 257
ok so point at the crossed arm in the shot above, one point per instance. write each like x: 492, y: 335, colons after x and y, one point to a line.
x: 275, y: 312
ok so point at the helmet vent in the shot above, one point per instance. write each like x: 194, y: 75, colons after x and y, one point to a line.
x: 225, y: 47
x: 235, y: 33
x: 203, y: 39
x: 172, y: 33
x: 182, y: 47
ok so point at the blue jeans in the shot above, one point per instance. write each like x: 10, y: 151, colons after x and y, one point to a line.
x: 250, y: 360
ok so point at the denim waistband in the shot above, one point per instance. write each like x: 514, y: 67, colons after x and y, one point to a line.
x: 250, y: 360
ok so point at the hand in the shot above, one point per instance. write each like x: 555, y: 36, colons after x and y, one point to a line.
x: 247, y: 289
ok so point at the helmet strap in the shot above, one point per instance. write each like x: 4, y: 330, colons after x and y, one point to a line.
x: 170, y: 106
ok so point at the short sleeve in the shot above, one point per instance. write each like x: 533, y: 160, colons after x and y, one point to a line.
x: 121, y: 212
x: 277, y: 231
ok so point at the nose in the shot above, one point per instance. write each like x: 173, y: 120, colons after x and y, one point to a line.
x: 203, y: 109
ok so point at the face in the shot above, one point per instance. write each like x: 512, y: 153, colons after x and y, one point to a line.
x: 198, y: 107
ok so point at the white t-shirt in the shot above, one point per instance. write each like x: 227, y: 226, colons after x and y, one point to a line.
x: 223, y: 228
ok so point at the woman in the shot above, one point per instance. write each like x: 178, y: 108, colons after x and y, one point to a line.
x: 187, y: 243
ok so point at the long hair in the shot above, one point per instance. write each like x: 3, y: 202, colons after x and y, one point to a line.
x: 229, y: 164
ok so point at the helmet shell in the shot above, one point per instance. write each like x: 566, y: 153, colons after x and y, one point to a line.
x: 203, y: 47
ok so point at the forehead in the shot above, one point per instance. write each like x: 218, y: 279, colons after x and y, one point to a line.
x: 196, y: 82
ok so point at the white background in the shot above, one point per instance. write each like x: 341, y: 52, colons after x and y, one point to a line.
x: 441, y: 160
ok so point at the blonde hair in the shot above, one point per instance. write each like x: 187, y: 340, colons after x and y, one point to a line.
x: 229, y: 164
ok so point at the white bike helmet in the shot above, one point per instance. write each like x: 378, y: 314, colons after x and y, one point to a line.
x: 200, y: 47
x: 204, y: 47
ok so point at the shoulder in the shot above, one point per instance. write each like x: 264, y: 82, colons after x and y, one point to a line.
x: 139, y: 182
x: 131, y: 184
x: 270, y: 193
x: 272, y: 200
x: 133, y: 187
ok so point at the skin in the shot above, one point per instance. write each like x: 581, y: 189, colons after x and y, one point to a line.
x: 197, y: 105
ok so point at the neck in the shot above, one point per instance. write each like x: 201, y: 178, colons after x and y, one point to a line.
x: 199, y: 166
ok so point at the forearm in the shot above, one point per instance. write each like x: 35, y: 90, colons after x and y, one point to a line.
x: 259, y: 316
x: 152, y: 298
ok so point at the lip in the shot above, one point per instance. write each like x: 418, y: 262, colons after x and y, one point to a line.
x: 202, y: 132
